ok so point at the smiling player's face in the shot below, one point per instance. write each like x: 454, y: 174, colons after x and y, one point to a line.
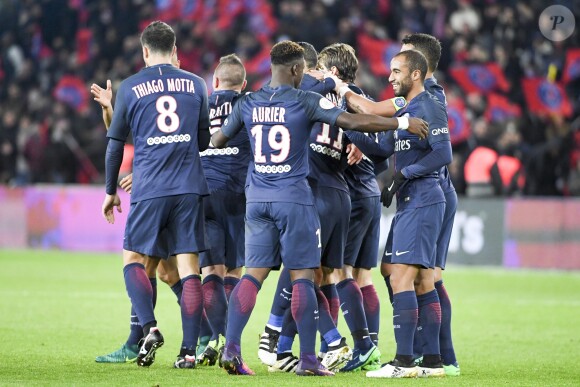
x: 400, y: 77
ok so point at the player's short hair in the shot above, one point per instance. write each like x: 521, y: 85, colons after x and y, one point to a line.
x: 310, y: 54
x: 415, y: 61
x: 286, y: 52
x: 159, y: 37
x: 343, y: 57
x: 428, y: 45
x: 230, y: 70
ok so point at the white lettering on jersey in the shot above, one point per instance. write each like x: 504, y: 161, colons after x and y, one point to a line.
x: 149, y: 87
x: 268, y: 114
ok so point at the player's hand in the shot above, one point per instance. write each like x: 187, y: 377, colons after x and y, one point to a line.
x: 111, y: 201
x: 127, y: 183
x: 389, y: 192
x: 103, y: 96
x: 354, y: 155
x: 419, y: 127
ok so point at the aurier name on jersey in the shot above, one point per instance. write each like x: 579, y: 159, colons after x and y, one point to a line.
x: 279, y: 121
x: 226, y: 168
x: 165, y: 108
x: 409, y: 149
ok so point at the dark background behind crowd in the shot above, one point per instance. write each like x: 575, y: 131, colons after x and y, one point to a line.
x: 52, y: 50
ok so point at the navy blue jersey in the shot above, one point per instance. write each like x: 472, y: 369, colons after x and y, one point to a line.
x: 279, y: 121
x: 360, y: 177
x: 164, y: 108
x: 226, y: 168
x: 326, y: 159
x: 409, y: 149
x: 436, y: 89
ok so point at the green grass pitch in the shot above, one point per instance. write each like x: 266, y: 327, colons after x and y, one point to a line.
x: 58, y: 310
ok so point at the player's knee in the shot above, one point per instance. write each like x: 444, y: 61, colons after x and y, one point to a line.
x: 385, y: 269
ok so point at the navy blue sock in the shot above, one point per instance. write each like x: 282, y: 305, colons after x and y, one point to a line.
x: 205, y: 332
x: 140, y: 292
x: 372, y: 308
x: 281, y: 301
x: 331, y: 295
x: 177, y: 288
x: 191, y: 310
x: 405, y: 315
x: 389, y: 288
x: 242, y: 302
x: 445, y: 341
x: 215, y: 304
x: 430, y: 317
x: 229, y: 285
x: 136, y: 330
x: 418, y: 339
x: 325, y: 324
x: 304, y: 311
x: 153, y: 282
x: 288, y: 333
x: 353, y: 312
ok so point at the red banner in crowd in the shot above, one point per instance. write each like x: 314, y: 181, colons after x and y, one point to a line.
x: 84, y: 39
x: 459, y: 128
x: 378, y: 53
x: 545, y: 97
x: 572, y: 67
x: 480, y: 78
x: 499, y: 108
x: 72, y: 91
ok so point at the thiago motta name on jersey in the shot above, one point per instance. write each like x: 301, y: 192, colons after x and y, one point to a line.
x: 158, y: 86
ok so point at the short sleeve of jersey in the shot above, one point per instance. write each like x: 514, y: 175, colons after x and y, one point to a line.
x: 320, y: 109
x: 436, y: 115
x: 119, y: 129
x: 234, y: 123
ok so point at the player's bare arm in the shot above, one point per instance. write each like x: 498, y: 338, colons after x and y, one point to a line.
x: 374, y: 123
x: 218, y: 140
x: 104, y: 97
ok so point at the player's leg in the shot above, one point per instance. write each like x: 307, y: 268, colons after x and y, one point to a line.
x: 299, y: 229
x: 414, y: 241
x: 351, y: 300
x: 187, y: 237
x: 267, y: 349
x: 386, y: 267
x: 167, y: 272
x: 430, y: 317
x: 144, y: 236
x: 285, y: 360
x: 241, y: 305
x: 334, y: 350
x: 262, y: 253
x: 215, y: 308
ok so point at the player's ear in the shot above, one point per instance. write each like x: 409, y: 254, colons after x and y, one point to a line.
x: 216, y: 82
x: 244, y: 84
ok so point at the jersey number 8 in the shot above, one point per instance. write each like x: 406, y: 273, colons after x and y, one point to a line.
x: 167, y: 120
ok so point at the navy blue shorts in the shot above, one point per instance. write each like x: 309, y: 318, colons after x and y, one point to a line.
x: 362, y: 244
x: 176, y: 220
x: 388, y: 253
x: 224, y: 221
x: 446, y: 229
x: 415, y: 233
x: 333, y: 206
x: 278, y: 232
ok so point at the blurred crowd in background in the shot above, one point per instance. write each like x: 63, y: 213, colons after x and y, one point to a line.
x: 513, y: 95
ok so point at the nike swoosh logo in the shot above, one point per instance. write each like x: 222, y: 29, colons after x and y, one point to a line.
x: 397, y: 315
x: 366, y: 356
x: 342, y: 305
x: 387, y: 254
x: 392, y: 184
x: 286, y: 291
x: 397, y: 253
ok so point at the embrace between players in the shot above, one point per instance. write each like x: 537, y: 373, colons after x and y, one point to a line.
x: 289, y: 161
